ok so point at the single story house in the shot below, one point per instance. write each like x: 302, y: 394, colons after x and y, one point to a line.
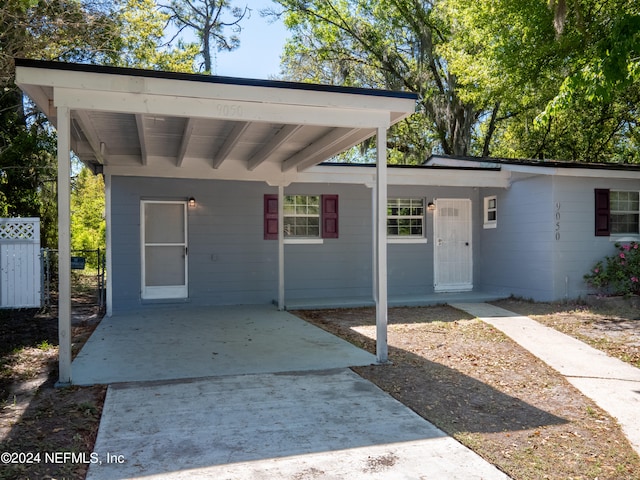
x: 217, y: 193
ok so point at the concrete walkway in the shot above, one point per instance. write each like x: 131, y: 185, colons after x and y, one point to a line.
x: 611, y: 383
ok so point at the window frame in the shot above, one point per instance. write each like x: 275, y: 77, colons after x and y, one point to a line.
x: 410, y: 238
x: 307, y: 215
x: 487, y: 210
x: 613, y: 213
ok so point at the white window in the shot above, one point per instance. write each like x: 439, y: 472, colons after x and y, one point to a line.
x: 405, y: 218
x: 490, y: 212
x: 625, y: 212
x: 302, y: 216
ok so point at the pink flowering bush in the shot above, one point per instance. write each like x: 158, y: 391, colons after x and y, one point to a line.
x: 618, y: 274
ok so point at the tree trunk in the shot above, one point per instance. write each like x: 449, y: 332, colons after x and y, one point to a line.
x: 490, y: 130
x: 206, y: 49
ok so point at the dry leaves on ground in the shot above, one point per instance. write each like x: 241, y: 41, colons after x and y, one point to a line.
x: 489, y: 393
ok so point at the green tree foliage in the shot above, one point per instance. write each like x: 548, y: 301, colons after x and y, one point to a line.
x: 208, y: 19
x: 563, y: 75
x: 141, y: 40
x: 390, y: 44
x: 87, y: 211
x: 43, y: 29
x: 543, y: 79
x: 111, y: 32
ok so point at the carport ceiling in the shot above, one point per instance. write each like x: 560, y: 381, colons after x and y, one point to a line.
x: 142, y: 118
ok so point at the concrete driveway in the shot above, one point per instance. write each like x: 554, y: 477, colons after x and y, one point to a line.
x: 328, y: 424
x: 250, y: 393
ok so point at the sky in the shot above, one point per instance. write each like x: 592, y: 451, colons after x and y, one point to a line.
x: 261, y: 44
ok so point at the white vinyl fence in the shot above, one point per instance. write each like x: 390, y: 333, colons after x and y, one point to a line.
x: 20, y: 281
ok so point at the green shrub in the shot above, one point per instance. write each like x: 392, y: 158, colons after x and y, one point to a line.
x: 618, y: 274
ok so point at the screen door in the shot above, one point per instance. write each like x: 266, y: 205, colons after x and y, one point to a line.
x: 164, y: 249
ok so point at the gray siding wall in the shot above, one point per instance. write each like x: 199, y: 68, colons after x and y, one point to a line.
x: 544, y: 242
x: 576, y: 248
x: 339, y: 267
x: 231, y: 263
x: 516, y: 256
x: 542, y: 247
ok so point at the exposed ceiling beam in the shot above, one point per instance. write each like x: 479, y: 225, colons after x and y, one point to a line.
x: 83, y: 122
x: 274, y: 144
x: 355, y: 138
x: 229, y: 143
x: 317, y: 149
x: 186, y: 137
x: 142, y: 138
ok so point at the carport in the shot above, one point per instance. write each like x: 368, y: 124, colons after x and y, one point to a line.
x: 141, y: 123
x: 169, y: 344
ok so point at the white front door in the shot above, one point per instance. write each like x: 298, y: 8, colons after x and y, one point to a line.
x: 164, y: 249
x: 453, y: 260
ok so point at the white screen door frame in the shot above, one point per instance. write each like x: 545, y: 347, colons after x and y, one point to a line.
x: 163, y: 233
x: 453, y: 252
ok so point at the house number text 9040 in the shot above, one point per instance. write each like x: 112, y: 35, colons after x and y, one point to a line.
x: 557, y: 221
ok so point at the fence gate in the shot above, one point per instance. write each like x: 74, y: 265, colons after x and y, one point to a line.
x: 20, y: 263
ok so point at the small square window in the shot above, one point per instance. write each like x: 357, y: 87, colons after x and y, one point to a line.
x: 490, y: 212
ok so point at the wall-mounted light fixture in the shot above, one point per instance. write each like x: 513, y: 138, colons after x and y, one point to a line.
x: 431, y: 206
x: 192, y: 202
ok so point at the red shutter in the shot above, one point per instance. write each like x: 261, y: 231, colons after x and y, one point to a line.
x: 271, y: 217
x: 329, y: 216
x: 603, y: 215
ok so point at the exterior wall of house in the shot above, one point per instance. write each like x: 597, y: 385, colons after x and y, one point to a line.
x: 230, y: 262
x: 545, y: 242
x: 338, y: 267
x: 576, y: 248
x: 517, y: 255
x: 411, y: 265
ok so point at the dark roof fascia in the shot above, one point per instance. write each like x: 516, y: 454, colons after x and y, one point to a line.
x: 215, y: 79
x: 544, y: 163
x: 412, y: 167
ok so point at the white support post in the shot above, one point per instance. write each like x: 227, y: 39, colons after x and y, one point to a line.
x: 64, y: 245
x: 374, y: 242
x: 107, y: 214
x: 381, y: 247
x: 280, y: 247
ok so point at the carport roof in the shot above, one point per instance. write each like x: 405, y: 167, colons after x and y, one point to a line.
x: 126, y: 117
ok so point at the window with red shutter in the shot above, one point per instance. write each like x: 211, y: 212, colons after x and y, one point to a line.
x: 602, y: 212
x: 299, y: 222
x: 270, y: 217
x: 329, y: 216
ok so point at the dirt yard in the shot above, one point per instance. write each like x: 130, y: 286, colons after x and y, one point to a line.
x: 490, y: 394
x: 35, y: 417
x: 457, y: 372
